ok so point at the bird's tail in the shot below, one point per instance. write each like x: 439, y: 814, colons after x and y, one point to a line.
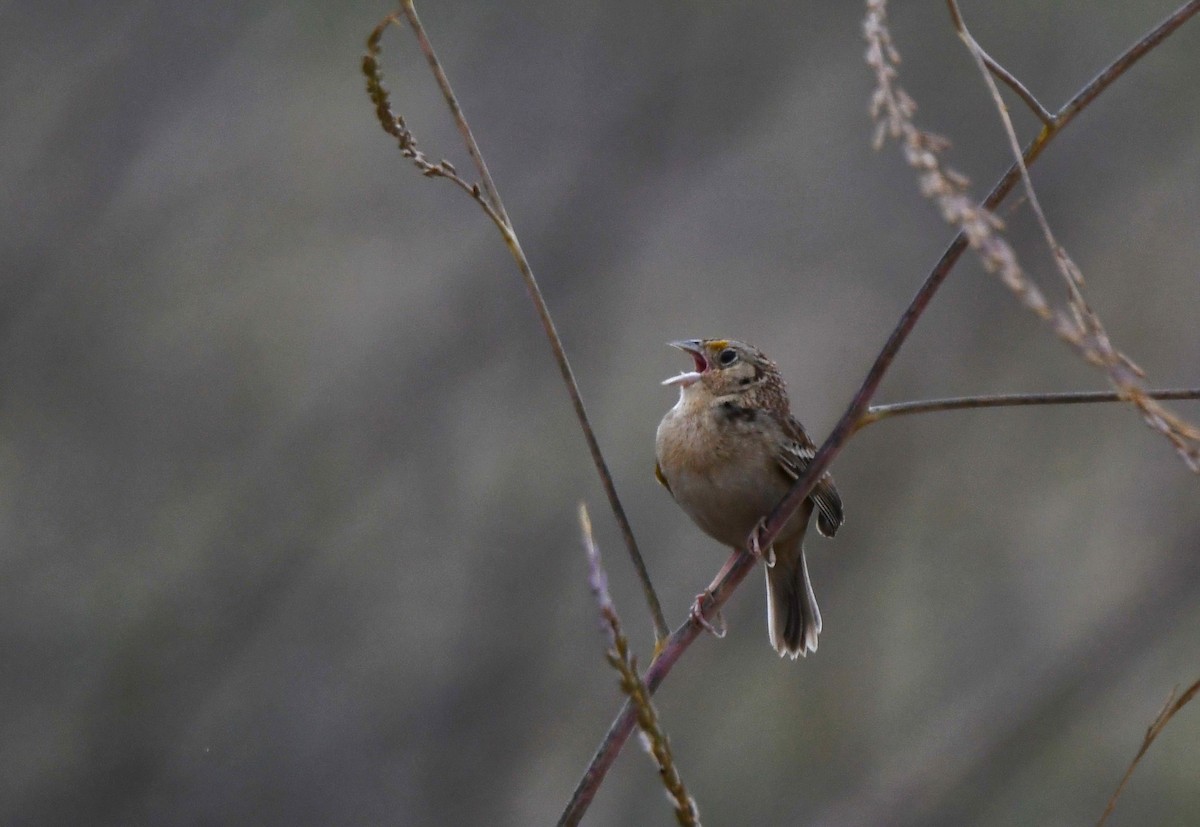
x: 793, y: 619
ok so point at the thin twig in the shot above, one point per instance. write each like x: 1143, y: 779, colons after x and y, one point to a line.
x: 1172, y: 706
x: 460, y: 120
x: 1043, y: 114
x: 489, y: 200
x: 880, y: 412
x: 742, y: 563
x: 620, y: 658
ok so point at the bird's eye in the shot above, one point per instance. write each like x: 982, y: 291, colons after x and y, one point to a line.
x: 727, y: 357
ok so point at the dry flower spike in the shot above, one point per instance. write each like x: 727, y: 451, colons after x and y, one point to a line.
x: 893, y: 110
x: 653, y: 739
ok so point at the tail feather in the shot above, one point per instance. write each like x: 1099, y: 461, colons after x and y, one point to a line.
x: 793, y: 619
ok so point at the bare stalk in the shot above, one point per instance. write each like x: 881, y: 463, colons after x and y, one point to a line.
x: 488, y: 198
x: 1165, y: 714
x: 741, y: 564
x: 1010, y: 80
x: 880, y: 412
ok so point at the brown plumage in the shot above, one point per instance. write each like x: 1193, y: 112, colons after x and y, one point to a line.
x: 728, y: 452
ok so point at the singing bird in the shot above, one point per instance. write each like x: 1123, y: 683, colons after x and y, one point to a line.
x: 728, y: 452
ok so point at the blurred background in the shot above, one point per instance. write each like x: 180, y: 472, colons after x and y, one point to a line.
x: 288, y: 479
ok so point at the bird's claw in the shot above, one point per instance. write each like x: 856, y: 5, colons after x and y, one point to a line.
x: 756, y: 549
x: 697, y: 614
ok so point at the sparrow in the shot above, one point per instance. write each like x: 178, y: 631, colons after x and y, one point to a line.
x: 728, y: 452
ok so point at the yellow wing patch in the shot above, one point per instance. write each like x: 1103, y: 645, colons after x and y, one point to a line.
x: 658, y: 475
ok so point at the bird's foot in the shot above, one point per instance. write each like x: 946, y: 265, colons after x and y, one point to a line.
x: 697, y: 614
x: 756, y: 549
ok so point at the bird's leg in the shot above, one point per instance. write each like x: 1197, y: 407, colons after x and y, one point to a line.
x: 697, y: 611
x: 756, y: 549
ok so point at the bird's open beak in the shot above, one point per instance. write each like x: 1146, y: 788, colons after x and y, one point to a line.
x: 693, y: 348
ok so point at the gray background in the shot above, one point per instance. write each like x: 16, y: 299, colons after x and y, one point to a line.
x: 288, y: 480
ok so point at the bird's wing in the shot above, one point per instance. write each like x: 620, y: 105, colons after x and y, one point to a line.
x: 798, y: 451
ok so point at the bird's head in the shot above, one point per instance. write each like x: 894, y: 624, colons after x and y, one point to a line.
x: 724, y: 367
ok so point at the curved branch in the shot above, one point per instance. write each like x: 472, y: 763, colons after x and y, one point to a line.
x: 1004, y: 75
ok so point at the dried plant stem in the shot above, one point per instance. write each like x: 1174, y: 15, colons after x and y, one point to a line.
x: 1042, y: 113
x: 620, y: 658
x: 741, y: 564
x: 1172, y: 706
x: 877, y: 413
x: 460, y: 121
x: 488, y: 198
x: 1083, y: 327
